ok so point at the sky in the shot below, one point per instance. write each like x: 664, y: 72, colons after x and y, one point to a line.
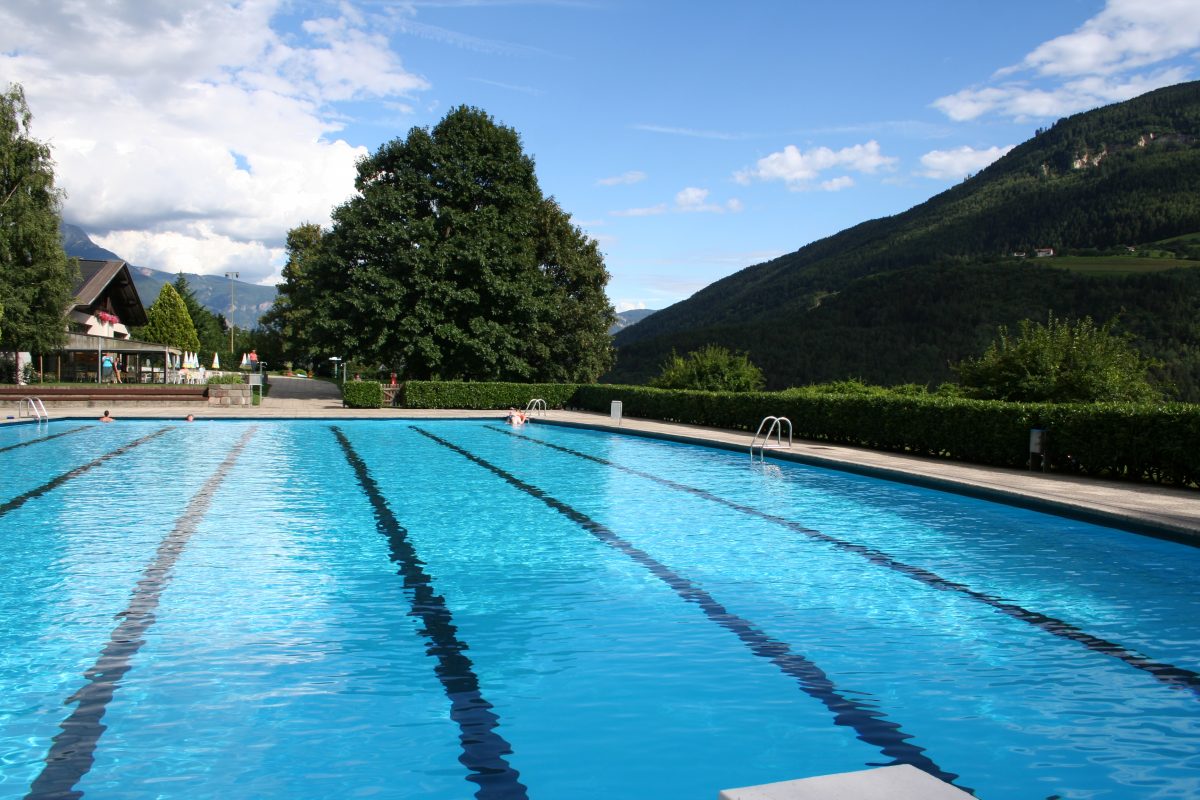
x: 690, y: 139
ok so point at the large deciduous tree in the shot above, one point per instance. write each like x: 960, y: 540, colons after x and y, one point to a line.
x: 290, y: 320
x: 449, y: 263
x: 169, y: 323
x: 36, y: 277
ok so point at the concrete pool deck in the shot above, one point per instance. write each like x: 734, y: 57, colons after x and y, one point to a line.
x: 1143, y: 508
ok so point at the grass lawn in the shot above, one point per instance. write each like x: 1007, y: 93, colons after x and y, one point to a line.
x: 1116, y: 265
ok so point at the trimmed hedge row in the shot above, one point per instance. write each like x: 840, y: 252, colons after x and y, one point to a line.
x: 362, y: 394
x: 1158, y: 442
x: 1152, y: 441
x: 457, y: 394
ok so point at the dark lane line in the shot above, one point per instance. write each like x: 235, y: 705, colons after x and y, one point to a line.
x: 483, y: 748
x: 870, y: 724
x: 72, y: 753
x: 54, y: 483
x: 1176, y: 677
x: 43, y: 438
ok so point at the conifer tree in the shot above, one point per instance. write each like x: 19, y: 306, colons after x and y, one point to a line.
x: 169, y: 323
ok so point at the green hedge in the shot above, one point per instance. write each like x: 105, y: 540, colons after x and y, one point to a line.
x: 362, y: 394
x: 1147, y: 441
x: 229, y: 377
x: 1157, y: 442
x: 457, y: 394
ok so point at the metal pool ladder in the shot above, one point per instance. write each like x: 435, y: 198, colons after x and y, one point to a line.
x: 775, y: 428
x: 37, y: 409
x: 537, y: 404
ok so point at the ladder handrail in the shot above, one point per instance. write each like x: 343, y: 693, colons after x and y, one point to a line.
x: 37, y: 409
x: 536, y: 404
x: 776, y: 429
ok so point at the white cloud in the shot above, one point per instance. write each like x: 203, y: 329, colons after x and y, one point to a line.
x: 691, y: 198
x: 193, y: 133
x: 1021, y: 101
x: 959, y: 162
x: 837, y: 184
x: 1104, y: 61
x: 650, y: 211
x: 691, y: 132
x: 1127, y: 34
x: 734, y: 205
x: 630, y: 177
x: 629, y: 305
x: 798, y: 168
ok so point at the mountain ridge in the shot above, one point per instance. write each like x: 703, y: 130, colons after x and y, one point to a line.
x: 212, y: 291
x: 1054, y: 190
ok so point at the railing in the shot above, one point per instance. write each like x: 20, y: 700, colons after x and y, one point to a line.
x: 37, y: 409
x: 775, y: 428
x: 538, y: 405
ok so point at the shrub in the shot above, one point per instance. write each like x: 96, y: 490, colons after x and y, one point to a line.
x: 362, y: 394
x: 226, y: 378
x: 711, y: 368
x: 1061, y: 361
x: 458, y: 394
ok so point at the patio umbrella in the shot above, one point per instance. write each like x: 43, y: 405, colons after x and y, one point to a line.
x: 216, y: 361
x: 245, y: 360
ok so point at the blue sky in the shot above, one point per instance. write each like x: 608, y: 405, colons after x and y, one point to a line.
x: 692, y: 139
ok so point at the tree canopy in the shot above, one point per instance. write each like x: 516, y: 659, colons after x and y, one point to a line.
x: 298, y: 301
x: 450, y: 263
x: 1062, y: 361
x: 169, y: 323
x: 36, y: 277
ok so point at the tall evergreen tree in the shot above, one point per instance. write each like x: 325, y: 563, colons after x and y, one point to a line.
x: 210, y: 327
x: 36, y: 277
x: 443, y: 266
x: 168, y: 322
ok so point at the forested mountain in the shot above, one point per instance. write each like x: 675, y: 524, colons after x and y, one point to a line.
x: 897, y: 299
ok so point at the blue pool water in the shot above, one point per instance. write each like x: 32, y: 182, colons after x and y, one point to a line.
x: 445, y: 609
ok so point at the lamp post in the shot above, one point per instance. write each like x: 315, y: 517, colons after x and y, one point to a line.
x: 232, y: 276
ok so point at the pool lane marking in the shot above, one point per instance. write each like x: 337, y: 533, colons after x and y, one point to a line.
x: 71, y: 753
x: 1171, y: 675
x: 54, y: 483
x: 483, y: 747
x: 44, y: 438
x: 871, y: 725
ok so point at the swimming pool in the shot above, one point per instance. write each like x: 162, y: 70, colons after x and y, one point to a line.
x: 442, y: 609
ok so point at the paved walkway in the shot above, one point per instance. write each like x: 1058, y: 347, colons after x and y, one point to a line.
x: 299, y: 392
x: 1150, y: 509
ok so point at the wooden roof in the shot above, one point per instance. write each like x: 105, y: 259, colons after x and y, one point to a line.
x: 112, y: 280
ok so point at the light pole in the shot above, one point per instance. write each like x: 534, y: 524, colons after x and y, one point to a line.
x: 232, y: 277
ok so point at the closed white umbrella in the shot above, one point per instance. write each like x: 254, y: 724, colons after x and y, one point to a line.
x: 216, y: 361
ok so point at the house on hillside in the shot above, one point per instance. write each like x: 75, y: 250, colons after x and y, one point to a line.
x: 99, y: 347
x: 1043, y: 252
